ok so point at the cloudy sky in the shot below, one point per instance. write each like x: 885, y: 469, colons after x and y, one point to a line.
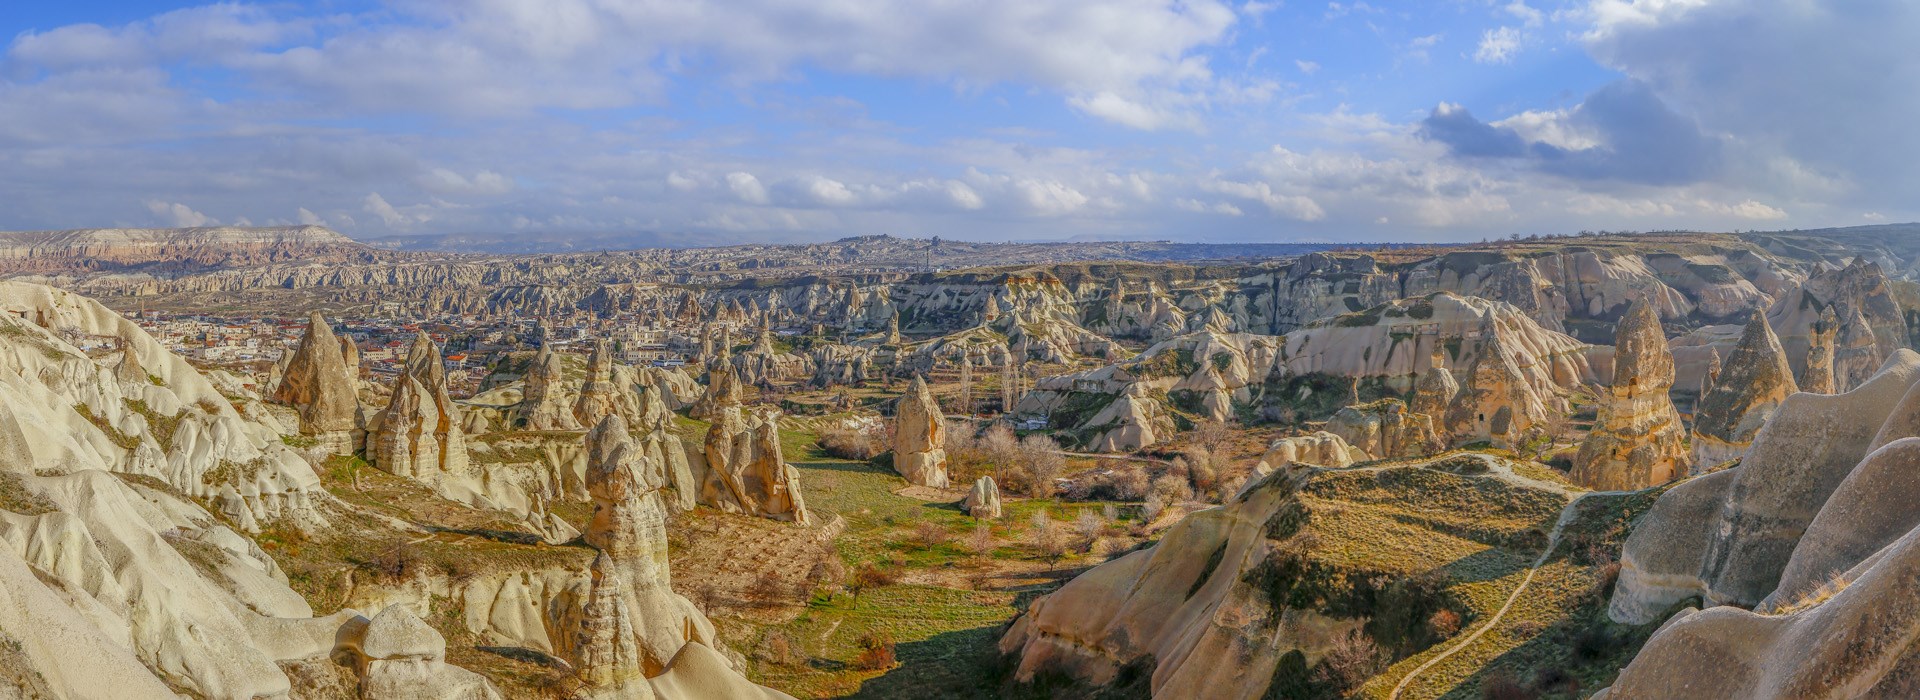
x: 1249, y: 120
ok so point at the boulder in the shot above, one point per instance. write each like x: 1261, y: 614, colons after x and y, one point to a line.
x: 983, y: 500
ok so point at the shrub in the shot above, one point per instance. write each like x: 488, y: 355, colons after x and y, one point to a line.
x: 850, y: 443
x: 1594, y: 643
x: 1444, y: 623
x: 769, y: 588
x: 778, y: 649
x: 876, y: 651
x: 1499, y: 685
x: 1116, y: 482
x: 1350, y: 661
x: 395, y: 564
x: 1035, y: 466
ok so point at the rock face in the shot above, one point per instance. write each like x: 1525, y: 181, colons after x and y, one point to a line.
x: 419, y: 435
x: 1637, y: 437
x: 543, y: 403
x: 1817, y: 376
x: 1498, y: 402
x: 321, y: 387
x: 1857, y: 350
x: 1753, y: 382
x: 173, y: 250
x: 919, y: 431
x: 983, y: 500
x: 1385, y: 429
x: 1816, y: 531
x: 745, y: 472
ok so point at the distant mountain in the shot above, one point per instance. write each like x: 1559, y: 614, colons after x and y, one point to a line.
x: 172, y: 250
x: 528, y: 243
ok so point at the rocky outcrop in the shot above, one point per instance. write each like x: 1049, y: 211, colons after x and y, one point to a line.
x: 1435, y: 390
x: 1637, y: 439
x: 919, y: 432
x: 543, y: 404
x: 1857, y: 351
x: 1754, y: 381
x: 1728, y: 536
x: 1815, y: 531
x: 633, y: 629
x: 600, y: 396
x: 1500, y: 401
x: 652, y: 431
x: 1385, y: 429
x: 319, y: 385
x: 399, y: 657
x: 419, y: 435
x: 1817, y: 376
x: 1318, y: 449
x: 983, y: 500
x: 744, y: 469
x: 115, y: 580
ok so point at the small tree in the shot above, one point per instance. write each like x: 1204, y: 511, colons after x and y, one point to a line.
x: 929, y: 534
x: 981, y: 541
x: 1089, y: 525
x: 1049, y: 539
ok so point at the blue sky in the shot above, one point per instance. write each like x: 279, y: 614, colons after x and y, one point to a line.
x: 984, y: 119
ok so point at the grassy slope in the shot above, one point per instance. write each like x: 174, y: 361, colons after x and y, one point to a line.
x: 945, y: 634
x: 1556, y: 639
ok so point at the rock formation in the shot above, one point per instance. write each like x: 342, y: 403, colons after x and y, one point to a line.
x: 1817, y: 376
x: 599, y: 395
x: 919, y: 432
x: 1857, y: 351
x: 1435, y: 390
x: 543, y: 404
x: 634, y: 630
x: 1636, y: 441
x: 983, y: 500
x: 1319, y: 449
x: 745, y: 471
x: 1498, y: 402
x: 1385, y: 429
x: 419, y: 435
x: 399, y: 657
x: 321, y: 387
x: 1752, y: 383
x: 1815, y: 531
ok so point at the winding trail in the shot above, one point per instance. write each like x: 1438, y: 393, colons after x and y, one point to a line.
x: 1553, y: 542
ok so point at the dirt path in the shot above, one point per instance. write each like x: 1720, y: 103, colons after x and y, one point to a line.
x: 1553, y: 541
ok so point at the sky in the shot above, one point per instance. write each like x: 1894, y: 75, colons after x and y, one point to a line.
x: 785, y: 120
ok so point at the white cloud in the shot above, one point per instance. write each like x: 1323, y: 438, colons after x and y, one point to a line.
x: 447, y: 182
x: 177, y: 214
x: 1498, y: 45
x: 747, y: 187
x: 1307, y: 67
x: 1527, y: 15
x: 377, y: 205
x: 308, y: 218
x: 829, y: 192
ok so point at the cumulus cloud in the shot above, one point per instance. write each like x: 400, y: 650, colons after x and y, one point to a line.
x: 177, y: 214
x: 747, y: 188
x: 1622, y: 131
x: 1498, y: 45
